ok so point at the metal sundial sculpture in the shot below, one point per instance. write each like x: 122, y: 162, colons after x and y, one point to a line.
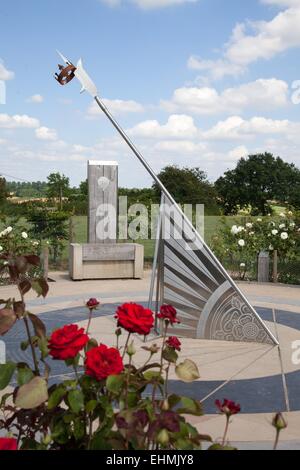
x: 186, y: 273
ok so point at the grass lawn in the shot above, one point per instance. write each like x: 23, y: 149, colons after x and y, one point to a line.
x: 79, y: 228
x: 212, y: 224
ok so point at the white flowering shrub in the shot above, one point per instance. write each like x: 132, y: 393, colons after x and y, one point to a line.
x: 14, y: 239
x: 243, y: 241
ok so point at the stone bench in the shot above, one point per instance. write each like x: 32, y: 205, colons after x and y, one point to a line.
x: 112, y: 261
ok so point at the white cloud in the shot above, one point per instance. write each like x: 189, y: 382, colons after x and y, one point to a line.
x: 182, y: 147
x: 35, y: 99
x: 44, y: 133
x: 284, y: 3
x: 16, y: 121
x: 255, y: 40
x: 152, y: 4
x: 5, y: 74
x: 178, y: 126
x: 148, y: 4
x: 236, y: 127
x: 269, y: 38
x: 216, y: 68
x: 238, y: 152
x: 260, y: 94
x: 116, y: 107
x: 111, y: 3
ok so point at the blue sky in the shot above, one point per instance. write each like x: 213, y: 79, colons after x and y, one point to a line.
x: 196, y: 83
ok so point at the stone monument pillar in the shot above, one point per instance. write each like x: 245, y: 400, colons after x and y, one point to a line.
x: 102, y: 257
x: 103, y: 196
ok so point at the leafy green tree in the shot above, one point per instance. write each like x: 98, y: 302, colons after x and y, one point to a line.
x: 256, y: 181
x: 27, y: 189
x: 3, y: 190
x: 83, y: 188
x: 189, y: 186
x: 58, y: 187
x: 51, y: 226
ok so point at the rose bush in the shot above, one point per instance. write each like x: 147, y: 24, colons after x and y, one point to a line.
x: 15, y: 240
x: 109, y: 401
x: 242, y: 242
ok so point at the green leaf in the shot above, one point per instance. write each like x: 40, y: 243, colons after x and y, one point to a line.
x: 187, y: 371
x: 21, y: 264
x: 190, y: 406
x: 43, y: 346
x: 24, y: 286
x: 105, y: 403
x: 24, y: 345
x: 6, y: 372
x: 100, y: 442
x: 60, y: 432
x: 56, y: 397
x: 220, y: 447
x: 153, y: 376
x: 170, y: 355
x: 4, y: 398
x: 184, y: 444
x: 90, y: 406
x: 132, y: 399
x: 7, y: 320
x: 173, y: 400
x: 76, y: 400
x: 38, y: 325
x: 34, y: 260
x: 32, y: 394
x: 24, y: 375
x: 73, y: 362
x: 93, y: 343
x: 19, y: 308
x: 79, y: 429
x: 41, y: 287
x: 114, y: 383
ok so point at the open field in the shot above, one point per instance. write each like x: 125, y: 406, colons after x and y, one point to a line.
x: 211, y: 226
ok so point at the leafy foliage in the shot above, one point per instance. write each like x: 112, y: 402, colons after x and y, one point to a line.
x: 188, y: 186
x: 256, y: 181
x: 243, y: 241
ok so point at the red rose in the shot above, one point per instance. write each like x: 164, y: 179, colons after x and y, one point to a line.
x: 92, y: 303
x: 173, y: 342
x: 65, y: 343
x: 8, y: 443
x: 228, y: 407
x: 135, y: 318
x: 103, y: 361
x: 167, y: 312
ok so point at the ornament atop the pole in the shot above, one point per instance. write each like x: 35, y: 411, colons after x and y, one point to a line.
x: 69, y: 71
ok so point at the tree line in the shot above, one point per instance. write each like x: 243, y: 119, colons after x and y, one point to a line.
x: 255, y: 184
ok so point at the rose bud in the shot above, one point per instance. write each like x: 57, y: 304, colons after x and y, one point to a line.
x: 279, y: 422
x: 131, y: 349
x: 163, y: 437
x: 228, y: 407
x: 92, y: 303
x: 165, y: 405
x: 168, y: 313
x: 118, y: 332
x: 153, y: 349
x: 174, y: 343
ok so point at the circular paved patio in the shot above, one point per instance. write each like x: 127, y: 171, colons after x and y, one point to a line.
x: 261, y: 378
